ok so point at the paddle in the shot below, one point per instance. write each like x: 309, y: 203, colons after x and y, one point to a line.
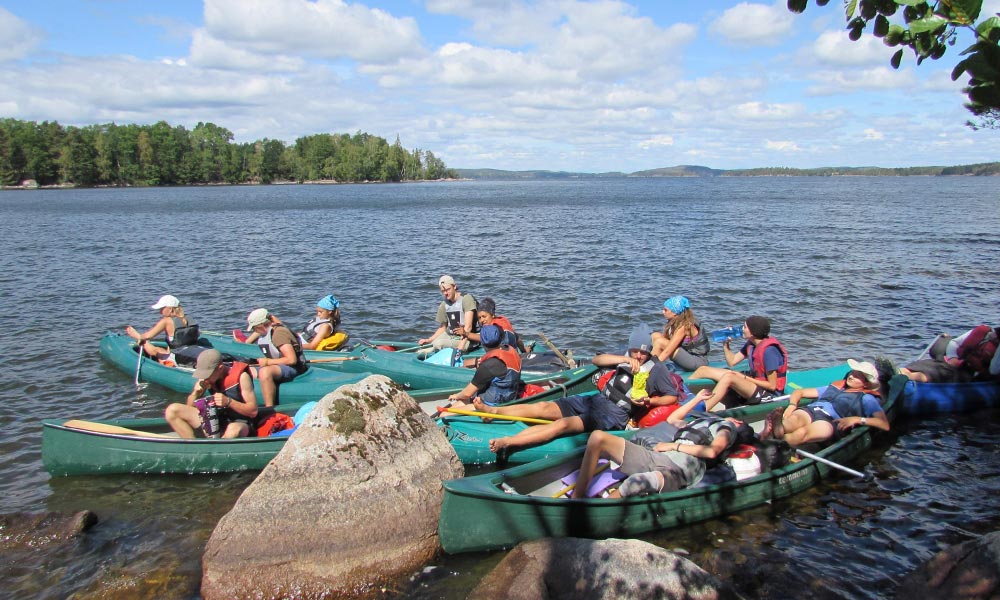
x: 486, y: 415
x: 569, y: 488
x: 333, y: 359
x: 105, y: 428
x: 569, y: 363
x: 820, y: 459
x: 417, y: 348
x: 138, y: 365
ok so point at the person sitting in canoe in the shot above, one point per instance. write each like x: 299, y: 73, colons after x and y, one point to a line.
x: 321, y: 332
x: 683, y: 339
x: 228, y: 387
x: 283, y: 358
x: 671, y: 456
x: 456, y: 317
x: 768, y: 366
x: 498, y: 372
x: 652, y: 386
x: 968, y: 357
x: 486, y: 313
x: 838, y: 408
x: 181, y: 333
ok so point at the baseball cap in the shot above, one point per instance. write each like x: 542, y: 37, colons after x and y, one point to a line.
x: 871, y: 373
x: 166, y: 301
x: 208, y: 361
x: 328, y: 302
x: 641, y: 338
x: 490, y: 336
x: 446, y: 281
x: 258, y: 316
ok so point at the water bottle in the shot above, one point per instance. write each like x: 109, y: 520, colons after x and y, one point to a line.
x: 721, y: 335
x: 212, y: 421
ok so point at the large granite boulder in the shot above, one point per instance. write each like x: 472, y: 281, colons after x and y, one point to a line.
x: 350, y: 504
x: 968, y: 571
x: 580, y: 569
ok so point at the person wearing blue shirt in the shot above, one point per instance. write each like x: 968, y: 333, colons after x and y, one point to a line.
x: 837, y: 409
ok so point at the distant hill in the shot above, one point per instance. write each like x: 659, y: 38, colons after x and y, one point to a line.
x: 697, y: 171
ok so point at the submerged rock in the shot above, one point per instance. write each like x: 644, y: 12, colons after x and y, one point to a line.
x: 350, y: 504
x: 581, y: 569
x: 33, y: 530
x: 968, y: 571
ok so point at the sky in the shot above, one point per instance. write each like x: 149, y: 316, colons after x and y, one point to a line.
x: 562, y: 85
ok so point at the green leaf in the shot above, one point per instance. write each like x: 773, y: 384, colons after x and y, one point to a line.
x: 966, y: 11
x: 909, y: 2
x: 849, y: 9
x: 881, y: 26
x: 989, y: 29
x: 896, y: 58
x: 928, y: 24
x: 797, y: 6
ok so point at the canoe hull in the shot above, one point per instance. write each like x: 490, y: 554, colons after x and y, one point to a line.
x: 476, y: 515
x: 68, y: 451
x: 936, y: 398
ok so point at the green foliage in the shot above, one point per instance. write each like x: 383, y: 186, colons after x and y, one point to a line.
x: 160, y: 154
x: 928, y: 28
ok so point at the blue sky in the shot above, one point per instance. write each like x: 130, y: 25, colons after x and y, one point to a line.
x: 557, y: 84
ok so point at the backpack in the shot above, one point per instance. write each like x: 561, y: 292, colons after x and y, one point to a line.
x: 978, y: 348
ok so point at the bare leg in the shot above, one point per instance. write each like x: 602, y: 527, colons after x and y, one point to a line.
x: 268, y: 386
x: 914, y: 376
x: 817, y: 431
x: 183, y: 419
x: 600, y: 445
x: 539, y: 434
x: 537, y: 410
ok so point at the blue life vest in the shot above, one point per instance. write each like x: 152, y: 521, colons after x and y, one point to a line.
x: 505, y: 388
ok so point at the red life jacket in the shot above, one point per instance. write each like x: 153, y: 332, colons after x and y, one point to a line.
x: 509, y: 357
x: 757, y: 365
x: 978, y: 348
x: 503, y: 323
x: 230, y: 384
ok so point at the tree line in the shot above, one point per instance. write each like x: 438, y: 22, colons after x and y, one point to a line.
x: 161, y: 154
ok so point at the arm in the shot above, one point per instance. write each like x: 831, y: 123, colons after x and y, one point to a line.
x: 673, y: 343
x: 797, y: 395
x: 878, y: 421
x: 469, y: 322
x: 287, y: 357
x: 731, y: 357
x: 677, y: 417
x: 324, y: 331
x: 436, y: 333
x: 154, y: 331
x: 467, y: 393
x: 718, y: 445
x: 613, y: 360
x: 196, y: 392
x: 247, y: 406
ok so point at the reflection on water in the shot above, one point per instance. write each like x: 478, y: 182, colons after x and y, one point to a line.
x: 846, y: 267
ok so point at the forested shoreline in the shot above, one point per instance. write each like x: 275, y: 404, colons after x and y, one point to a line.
x: 50, y: 154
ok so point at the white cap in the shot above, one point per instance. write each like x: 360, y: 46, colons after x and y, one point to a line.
x: 871, y: 373
x: 446, y: 281
x: 258, y: 316
x: 166, y: 301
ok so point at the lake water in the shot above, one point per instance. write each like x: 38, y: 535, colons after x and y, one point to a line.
x: 845, y: 267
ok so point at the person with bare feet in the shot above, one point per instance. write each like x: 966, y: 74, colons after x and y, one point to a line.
x: 838, y: 409
x: 652, y: 386
x: 673, y: 456
x: 768, y: 366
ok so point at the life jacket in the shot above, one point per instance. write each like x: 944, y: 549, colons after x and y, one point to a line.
x: 507, y: 387
x: 274, y: 423
x: 618, y: 385
x: 184, y: 335
x: 977, y: 349
x: 757, y: 364
x: 846, y: 404
x: 509, y: 337
x: 456, y: 316
x: 698, y: 345
x: 309, y: 331
x: 272, y: 351
x: 230, y: 384
x: 699, y: 431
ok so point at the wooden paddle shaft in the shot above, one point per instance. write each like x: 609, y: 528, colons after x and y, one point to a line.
x: 106, y: 428
x: 333, y: 359
x: 486, y: 415
x: 562, y: 357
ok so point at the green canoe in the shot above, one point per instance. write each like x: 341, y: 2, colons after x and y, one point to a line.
x: 406, y: 368
x: 470, y: 436
x: 498, y: 510
x: 120, y: 350
x: 149, y: 446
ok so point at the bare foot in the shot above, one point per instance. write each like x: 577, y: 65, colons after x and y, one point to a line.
x: 482, y: 406
x: 498, y: 444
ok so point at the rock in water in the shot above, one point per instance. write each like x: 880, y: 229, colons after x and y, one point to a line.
x: 34, y: 530
x: 968, y: 571
x: 579, y: 569
x: 350, y: 504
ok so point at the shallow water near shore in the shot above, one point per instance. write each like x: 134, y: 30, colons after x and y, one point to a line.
x: 846, y: 267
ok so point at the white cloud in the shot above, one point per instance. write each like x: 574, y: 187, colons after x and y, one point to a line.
x: 211, y: 53
x: 835, y: 48
x: 17, y: 38
x: 657, y: 141
x: 749, y: 24
x: 329, y: 29
x: 873, y: 134
x: 760, y: 111
x: 782, y: 146
x: 878, y: 78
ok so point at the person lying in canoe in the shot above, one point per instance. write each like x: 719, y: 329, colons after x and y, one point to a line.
x: 683, y: 340
x: 768, y: 366
x: 838, y: 409
x: 486, y: 313
x: 652, y: 386
x: 283, y: 358
x: 228, y: 387
x: 968, y: 357
x: 456, y: 316
x: 498, y: 372
x: 670, y: 456
x: 181, y: 333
